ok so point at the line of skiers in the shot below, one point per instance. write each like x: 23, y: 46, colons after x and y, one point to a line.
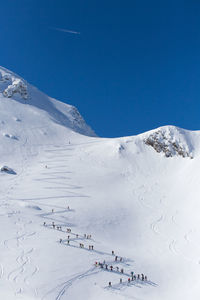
x: 87, y: 236
x: 52, y: 210
x: 102, y: 265
x: 107, y: 267
x: 120, y: 258
x: 68, y: 230
x: 133, y: 278
x: 91, y: 247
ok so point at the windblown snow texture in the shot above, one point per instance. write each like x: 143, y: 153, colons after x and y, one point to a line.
x: 64, y: 190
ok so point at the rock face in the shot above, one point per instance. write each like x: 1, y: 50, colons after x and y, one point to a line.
x: 168, y: 144
x: 17, y: 86
x: 10, y: 85
x: 8, y: 170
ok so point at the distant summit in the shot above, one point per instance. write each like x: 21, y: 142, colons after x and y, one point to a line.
x: 16, y: 88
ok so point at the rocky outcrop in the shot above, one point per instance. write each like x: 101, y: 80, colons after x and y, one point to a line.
x: 169, y: 145
x: 11, y: 85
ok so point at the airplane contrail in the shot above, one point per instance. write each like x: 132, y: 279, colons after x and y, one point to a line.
x: 65, y: 30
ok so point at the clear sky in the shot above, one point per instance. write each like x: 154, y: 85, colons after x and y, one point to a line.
x: 128, y: 66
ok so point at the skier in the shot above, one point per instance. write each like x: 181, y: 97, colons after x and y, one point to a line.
x: 134, y: 277
x: 129, y: 280
x: 106, y: 267
x: 52, y: 210
x: 142, y: 277
x: 113, y: 252
x: 132, y: 273
x: 111, y: 268
x: 85, y: 235
x: 92, y: 247
x: 44, y: 224
x: 120, y: 281
x: 109, y: 283
x: 122, y: 271
x: 138, y: 277
x: 116, y: 258
x: 60, y: 240
x: 145, y: 278
x: 121, y: 259
x: 117, y: 269
x: 68, y: 237
x: 68, y: 242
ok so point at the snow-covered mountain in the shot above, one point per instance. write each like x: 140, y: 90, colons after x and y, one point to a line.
x: 37, y: 103
x: 137, y: 196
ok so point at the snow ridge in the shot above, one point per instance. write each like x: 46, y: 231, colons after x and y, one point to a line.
x: 16, y: 88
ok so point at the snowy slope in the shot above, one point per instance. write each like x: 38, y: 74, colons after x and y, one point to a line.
x: 18, y: 90
x: 138, y: 196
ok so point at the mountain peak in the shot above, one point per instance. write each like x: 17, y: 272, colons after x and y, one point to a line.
x: 15, y: 88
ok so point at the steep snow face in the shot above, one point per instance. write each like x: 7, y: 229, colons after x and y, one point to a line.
x: 17, y: 89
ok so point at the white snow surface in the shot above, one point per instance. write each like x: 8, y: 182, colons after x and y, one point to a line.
x: 130, y: 198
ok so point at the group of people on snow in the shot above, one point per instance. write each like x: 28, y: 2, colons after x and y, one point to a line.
x: 133, y: 277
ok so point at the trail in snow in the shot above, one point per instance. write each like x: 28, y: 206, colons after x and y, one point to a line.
x: 154, y: 225
x: 64, y: 286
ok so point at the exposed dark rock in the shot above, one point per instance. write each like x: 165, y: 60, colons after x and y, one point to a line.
x: 162, y: 143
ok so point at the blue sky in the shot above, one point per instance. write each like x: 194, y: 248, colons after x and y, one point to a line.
x: 134, y: 66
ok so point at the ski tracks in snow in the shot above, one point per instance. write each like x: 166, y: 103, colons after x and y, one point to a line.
x: 1, y: 270
x: 172, y: 247
x: 25, y: 270
x: 154, y: 225
x: 61, y: 289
